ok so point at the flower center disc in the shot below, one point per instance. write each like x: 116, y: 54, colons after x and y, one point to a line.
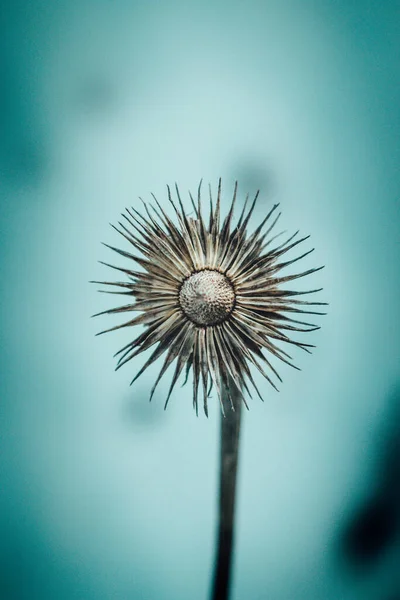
x: 207, y: 297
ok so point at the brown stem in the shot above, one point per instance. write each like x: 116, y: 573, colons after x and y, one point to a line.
x: 230, y: 430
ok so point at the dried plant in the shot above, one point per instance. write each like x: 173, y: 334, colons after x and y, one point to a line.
x: 210, y: 295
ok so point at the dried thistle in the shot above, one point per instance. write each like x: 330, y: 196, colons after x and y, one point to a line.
x: 210, y: 295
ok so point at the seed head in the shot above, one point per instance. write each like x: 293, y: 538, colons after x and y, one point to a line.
x: 210, y: 296
x: 207, y: 297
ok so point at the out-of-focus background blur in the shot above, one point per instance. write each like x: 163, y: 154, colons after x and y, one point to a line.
x: 103, y: 495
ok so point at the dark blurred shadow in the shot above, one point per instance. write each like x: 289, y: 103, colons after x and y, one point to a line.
x: 23, y: 156
x: 252, y: 175
x: 32, y: 567
x: 372, y: 530
x: 94, y: 95
x: 138, y: 411
x: 375, y: 525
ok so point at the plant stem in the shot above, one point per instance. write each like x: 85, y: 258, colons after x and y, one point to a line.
x: 229, y: 454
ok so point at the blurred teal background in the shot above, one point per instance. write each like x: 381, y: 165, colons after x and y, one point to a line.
x: 103, y: 495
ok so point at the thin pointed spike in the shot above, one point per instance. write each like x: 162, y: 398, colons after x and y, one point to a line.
x: 205, y: 405
x: 127, y: 271
x: 126, y: 308
x: 193, y: 204
x: 183, y: 355
x: 180, y: 201
x: 232, y: 207
x: 188, y: 367
x: 174, y: 379
x: 171, y: 201
x: 261, y: 226
x: 217, y: 208
x: 247, y: 219
x: 211, y: 220
x: 213, y: 365
x: 239, y: 223
x: 119, y: 251
x: 199, y: 197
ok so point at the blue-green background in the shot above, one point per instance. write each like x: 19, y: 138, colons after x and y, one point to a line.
x: 103, y: 495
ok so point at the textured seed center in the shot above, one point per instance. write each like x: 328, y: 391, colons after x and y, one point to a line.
x: 207, y: 297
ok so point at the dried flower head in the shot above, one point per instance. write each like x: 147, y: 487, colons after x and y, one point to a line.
x: 209, y: 295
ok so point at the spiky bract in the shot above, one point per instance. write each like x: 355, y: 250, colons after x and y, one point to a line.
x: 209, y: 295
